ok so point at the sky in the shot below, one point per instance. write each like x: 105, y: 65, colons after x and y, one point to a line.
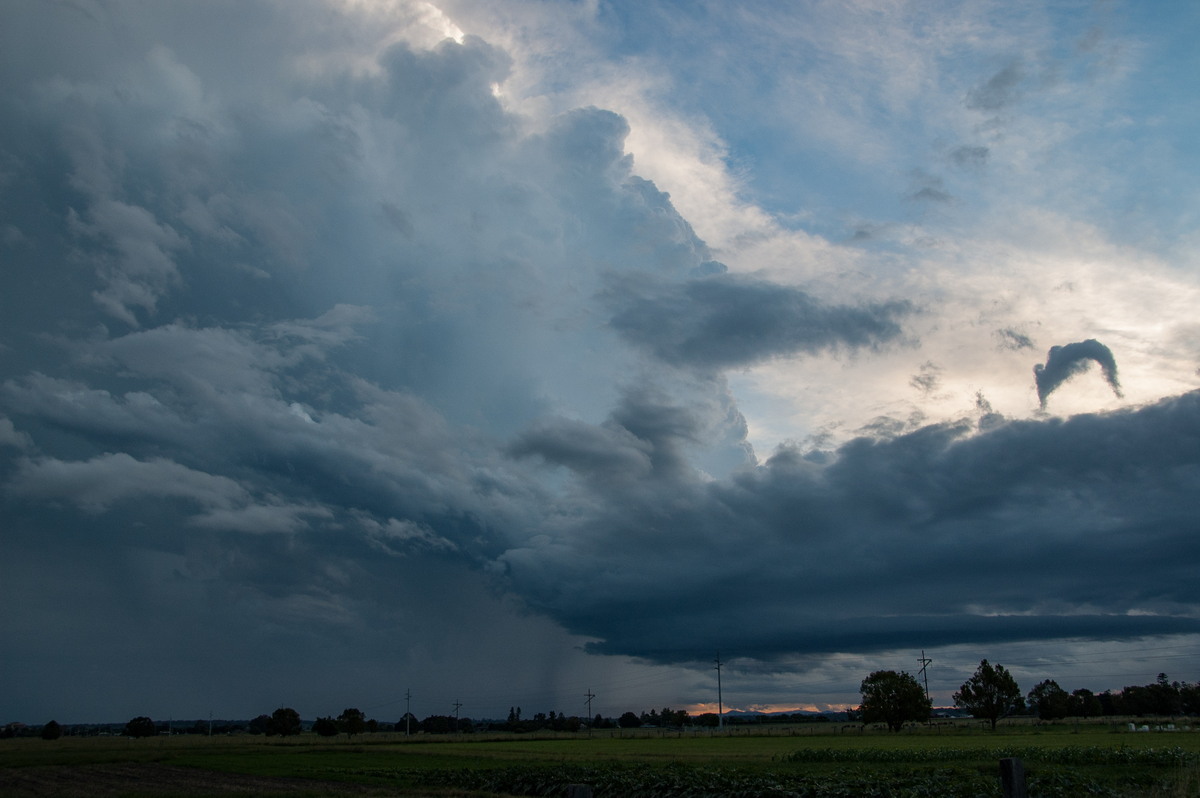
x: 396, y: 354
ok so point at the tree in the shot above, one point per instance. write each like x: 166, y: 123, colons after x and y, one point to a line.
x: 990, y: 693
x: 325, y: 727
x: 284, y: 721
x: 629, y: 721
x: 438, y: 724
x: 1049, y: 701
x: 352, y: 721
x: 893, y: 698
x: 1085, y: 704
x: 51, y: 731
x: 140, y: 726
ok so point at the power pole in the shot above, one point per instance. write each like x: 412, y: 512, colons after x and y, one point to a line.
x: 407, y: 712
x: 457, y: 706
x: 925, y: 662
x: 590, y: 696
x: 720, y: 698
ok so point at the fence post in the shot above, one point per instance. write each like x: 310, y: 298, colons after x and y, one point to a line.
x: 1012, y: 778
x: 579, y: 791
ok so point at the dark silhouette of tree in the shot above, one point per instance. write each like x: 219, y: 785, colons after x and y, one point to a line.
x: 991, y: 693
x: 1049, y: 701
x: 326, y: 727
x: 893, y: 698
x: 629, y: 721
x: 1085, y: 704
x: 1110, y: 703
x: 438, y: 724
x: 284, y: 721
x: 140, y: 726
x: 352, y: 721
x: 260, y: 725
x: 51, y: 731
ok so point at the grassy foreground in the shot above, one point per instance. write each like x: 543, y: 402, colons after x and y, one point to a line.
x: 1059, y: 760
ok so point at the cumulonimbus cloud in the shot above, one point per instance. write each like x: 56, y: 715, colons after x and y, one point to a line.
x: 1064, y: 362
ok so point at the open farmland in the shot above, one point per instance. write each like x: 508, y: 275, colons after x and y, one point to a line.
x: 1061, y: 760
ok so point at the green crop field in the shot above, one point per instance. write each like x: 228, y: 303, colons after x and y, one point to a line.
x: 1061, y: 760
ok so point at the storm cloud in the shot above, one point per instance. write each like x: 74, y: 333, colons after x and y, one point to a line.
x: 751, y: 556
x: 384, y: 340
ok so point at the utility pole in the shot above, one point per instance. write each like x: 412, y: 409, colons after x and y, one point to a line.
x: 590, y: 696
x: 925, y: 662
x: 407, y: 712
x: 457, y: 706
x: 720, y: 699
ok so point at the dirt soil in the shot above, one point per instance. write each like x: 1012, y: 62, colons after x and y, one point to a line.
x: 161, y: 780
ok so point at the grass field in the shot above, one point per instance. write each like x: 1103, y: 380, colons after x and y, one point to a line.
x: 1060, y: 760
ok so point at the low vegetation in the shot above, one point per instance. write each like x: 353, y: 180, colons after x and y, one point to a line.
x: 832, y: 760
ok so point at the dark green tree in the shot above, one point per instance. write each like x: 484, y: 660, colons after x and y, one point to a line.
x: 893, y: 698
x: 326, y: 727
x: 1085, y: 704
x: 260, y: 725
x: 991, y: 693
x: 352, y: 721
x: 1189, y: 698
x: 438, y: 724
x: 1049, y: 701
x: 51, y: 731
x: 629, y: 721
x: 284, y: 721
x: 140, y: 726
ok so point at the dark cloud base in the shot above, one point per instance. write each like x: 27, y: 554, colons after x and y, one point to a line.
x: 1030, y: 530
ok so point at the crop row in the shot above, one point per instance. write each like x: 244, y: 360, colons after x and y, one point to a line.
x: 1070, y: 755
x: 695, y: 782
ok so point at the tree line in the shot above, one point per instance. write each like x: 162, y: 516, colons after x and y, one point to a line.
x: 286, y: 722
x: 889, y: 697
x: 896, y: 698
